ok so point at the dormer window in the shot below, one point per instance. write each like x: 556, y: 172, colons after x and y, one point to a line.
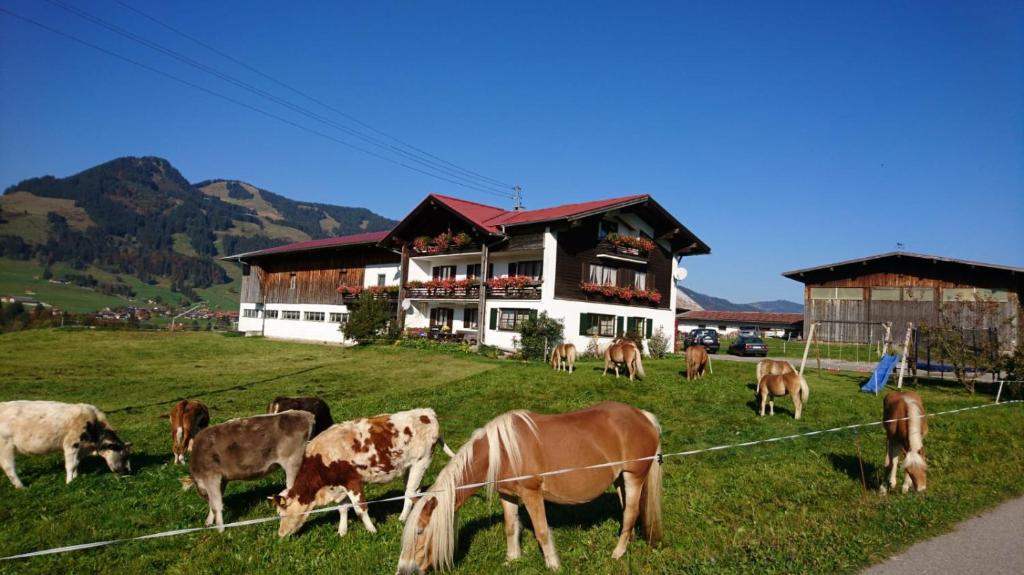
x: 607, y: 227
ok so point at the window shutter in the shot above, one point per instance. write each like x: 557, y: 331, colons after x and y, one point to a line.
x: 650, y: 328
x: 533, y: 314
x: 513, y: 268
x: 584, y: 324
x: 618, y: 325
x: 433, y: 317
x: 494, y: 318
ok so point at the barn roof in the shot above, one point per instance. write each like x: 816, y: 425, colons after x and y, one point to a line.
x: 743, y: 317
x: 368, y: 238
x: 901, y: 262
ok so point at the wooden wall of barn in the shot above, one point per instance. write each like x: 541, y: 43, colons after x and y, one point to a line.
x: 317, y: 275
x: 848, y: 320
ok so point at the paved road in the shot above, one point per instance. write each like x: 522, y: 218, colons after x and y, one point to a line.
x: 991, y: 544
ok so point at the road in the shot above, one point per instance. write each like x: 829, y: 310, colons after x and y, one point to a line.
x: 989, y: 544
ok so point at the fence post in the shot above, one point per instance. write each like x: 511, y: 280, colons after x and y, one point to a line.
x: 1000, y: 392
x: 807, y: 347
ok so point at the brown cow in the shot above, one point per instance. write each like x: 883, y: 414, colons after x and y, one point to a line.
x: 371, y: 450
x: 313, y: 404
x: 906, y: 424
x: 697, y: 362
x: 246, y: 448
x: 188, y: 417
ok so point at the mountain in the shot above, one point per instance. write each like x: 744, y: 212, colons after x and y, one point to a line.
x: 140, y: 217
x: 718, y: 304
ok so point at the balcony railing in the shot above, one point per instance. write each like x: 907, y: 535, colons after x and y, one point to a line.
x: 516, y: 287
x: 630, y: 247
x: 351, y: 294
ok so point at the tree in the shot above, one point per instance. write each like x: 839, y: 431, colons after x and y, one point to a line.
x: 368, y: 320
x: 658, y: 344
x: 538, y: 334
x: 968, y: 338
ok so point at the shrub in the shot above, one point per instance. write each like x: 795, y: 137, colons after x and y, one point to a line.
x: 658, y: 344
x: 538, y: 334
x: 368, y: 321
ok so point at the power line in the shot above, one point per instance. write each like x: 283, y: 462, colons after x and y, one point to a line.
x: 236, y: 101
x: 305, y: 95
x: 429, y: 164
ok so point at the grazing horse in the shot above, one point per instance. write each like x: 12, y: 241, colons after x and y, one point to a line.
x: 627, y: 353
x: 773, y: 367
x: 905, y: 425
x: 771, y: 386
x: 188, y: 417
x: 508, y: 455
x: 564, y: 357
x: 697, y: 362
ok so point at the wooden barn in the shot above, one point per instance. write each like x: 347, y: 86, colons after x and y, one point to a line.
x: 852, y: 299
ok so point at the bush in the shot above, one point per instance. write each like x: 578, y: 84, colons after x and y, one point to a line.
x: 658, y: 344
x: 538, y: 334
x: 368, y: 321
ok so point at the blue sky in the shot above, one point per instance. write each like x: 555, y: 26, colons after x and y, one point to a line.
x: 784, y: 136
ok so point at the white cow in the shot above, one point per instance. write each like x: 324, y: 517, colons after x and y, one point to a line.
x: 40, y: 427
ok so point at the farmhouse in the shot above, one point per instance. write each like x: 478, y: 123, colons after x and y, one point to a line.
x: 731, y: 322
x: 851, y: 299
x: 462, y: 269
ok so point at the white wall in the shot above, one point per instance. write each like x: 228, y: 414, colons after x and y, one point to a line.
x: 392, y: 274
x: 300, y: 329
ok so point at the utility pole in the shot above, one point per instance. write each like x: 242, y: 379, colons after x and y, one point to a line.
x: 517, y: 197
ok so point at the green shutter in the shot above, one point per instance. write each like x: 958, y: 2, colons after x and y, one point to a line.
x: 618, y: 325
x: 650, y: 328
x: 494, y: 318
x: 584, y: 324
x: 533, y: 314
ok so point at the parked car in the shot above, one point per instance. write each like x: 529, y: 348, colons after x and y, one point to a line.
x: 706, y: 337
x: 746, y: 345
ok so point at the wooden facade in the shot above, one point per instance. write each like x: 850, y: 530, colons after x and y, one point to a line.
x: 851, y: 300
x: 309, y: 277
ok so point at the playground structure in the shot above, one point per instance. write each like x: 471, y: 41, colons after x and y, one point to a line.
x: 860, y: 342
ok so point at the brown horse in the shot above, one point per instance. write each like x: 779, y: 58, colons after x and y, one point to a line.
x: 564, y: 356
x: 697, y: 362
x: 508, y: 455
x: 771, y: 386
x: 627, y: 353
x: 905, y: 425
x: 773, y: 367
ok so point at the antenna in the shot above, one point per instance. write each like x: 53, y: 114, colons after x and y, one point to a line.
x: 899, y: 246
x: 517, y: 197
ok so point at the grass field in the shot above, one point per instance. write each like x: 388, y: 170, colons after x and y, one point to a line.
x: 793, y: 506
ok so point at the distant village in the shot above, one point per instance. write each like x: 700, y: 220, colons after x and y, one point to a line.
x: 153, y: 312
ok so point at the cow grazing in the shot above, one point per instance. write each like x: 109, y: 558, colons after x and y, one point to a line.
x: 246, y: 448
x: 341, y: 460
x: 697, y: 362
x: 906, y: 424
x: 188, y: 417
x: 40, y: 427
x: 314, y: 405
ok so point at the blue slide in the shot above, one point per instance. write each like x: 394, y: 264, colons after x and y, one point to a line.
x: 881, y: 375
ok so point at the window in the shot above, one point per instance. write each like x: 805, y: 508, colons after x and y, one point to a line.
x: 918, y: 294
x: 602, y: 275
x: 471, y: 318
x: 837, y: 293
x: 607, y: 227
x: 337, y: 317
x: 630, y: 278
x: 270, y: 314
x: 381, y: 279
x: 640, y: 280
x: 999, y: 295
x: 314, y: 316
x: 509, y: 319
x: 250, y: 312
x: 443, y: 272
x: 531, y: 269
x: 289, y: 314
x: 291, y: 282
x: 974, y: 294
x: 441, y: 317
x: 472, y: 271
x: 885, y: 294
x: 595, y: 324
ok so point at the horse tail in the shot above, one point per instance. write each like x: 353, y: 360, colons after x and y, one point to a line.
x: 650, y: 495
x: 804, y: 390
x: 639, y: 363
x: 915, y: 416
x: 571, y: 353
x: 554, y: 357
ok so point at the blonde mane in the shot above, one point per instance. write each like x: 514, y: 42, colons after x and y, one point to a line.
x: 914, y: 436
x: 441, y: 532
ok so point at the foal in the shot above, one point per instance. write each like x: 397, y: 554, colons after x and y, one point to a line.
x: 563, y: 357
x: 905, y: 425
x: 771, y: 386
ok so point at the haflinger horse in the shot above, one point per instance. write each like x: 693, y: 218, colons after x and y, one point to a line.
x: 563, y: 357
x: 906, y: 424
x: 511, y: 454
x: 771, y: 386
x: 774, y: 367
x: 627, y: 353
x: 697, y: 362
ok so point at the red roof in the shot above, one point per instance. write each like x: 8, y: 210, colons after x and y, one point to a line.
x: 351, y: 240
x: 751, y: 317
x: 490, y: 217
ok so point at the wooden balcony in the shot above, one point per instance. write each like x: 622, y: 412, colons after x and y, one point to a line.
x: 606, y: 249
x: 497, y: 288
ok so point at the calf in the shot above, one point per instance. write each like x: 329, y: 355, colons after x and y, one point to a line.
x: 40, y: 427
x: 697, y: 362
x: 905, y: 425
x: 246, y: 448
x: 314, y: 405
x: 188, y: 417
x: 372, y: 450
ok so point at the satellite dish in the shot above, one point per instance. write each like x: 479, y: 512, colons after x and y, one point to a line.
x: 680, y: 274
x: 406, y: 304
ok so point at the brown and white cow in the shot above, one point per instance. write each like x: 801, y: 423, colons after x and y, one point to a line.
x: 246, y: 448
x: 188, y: 417
x: 40, y: 427
x: 313, y: 404
x: 339, y: 461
